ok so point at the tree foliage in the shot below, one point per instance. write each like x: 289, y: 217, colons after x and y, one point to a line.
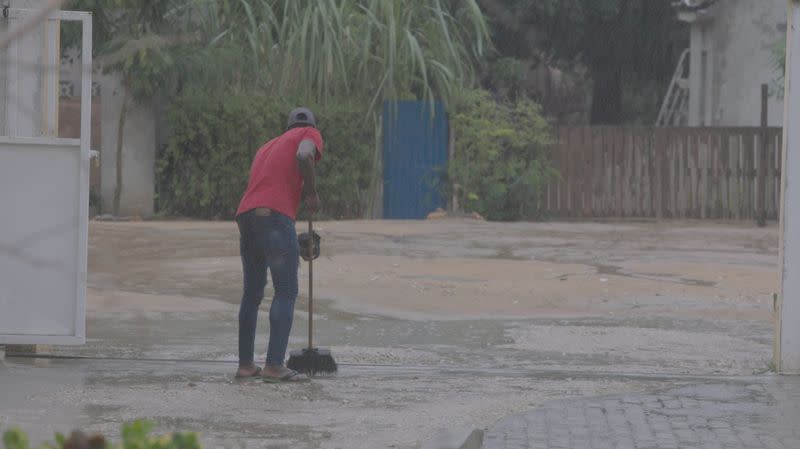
x: 135, y: 38
x: 425, y: 49
x: 623, y: 43
x: 500, y: 163
x: 309, y: 51
x: 389, y: 50
x: 230, y: 69
x: 135, y: 435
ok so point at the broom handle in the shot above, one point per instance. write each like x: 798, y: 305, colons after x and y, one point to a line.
x: 311, y: 287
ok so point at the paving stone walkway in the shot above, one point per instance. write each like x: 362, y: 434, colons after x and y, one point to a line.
x: 764, y: 413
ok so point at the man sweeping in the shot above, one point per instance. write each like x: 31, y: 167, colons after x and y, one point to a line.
x: 282, y: 172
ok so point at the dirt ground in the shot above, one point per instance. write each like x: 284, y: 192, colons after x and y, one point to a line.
x: 436, y: 325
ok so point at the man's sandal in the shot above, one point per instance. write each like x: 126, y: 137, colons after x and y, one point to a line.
x: 292, y: 376
x: 254, y: 374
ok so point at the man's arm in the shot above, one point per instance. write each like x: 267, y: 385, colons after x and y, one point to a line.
x: 306, y: 156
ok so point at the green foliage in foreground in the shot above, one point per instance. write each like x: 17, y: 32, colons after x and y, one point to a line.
x: 135, y: 435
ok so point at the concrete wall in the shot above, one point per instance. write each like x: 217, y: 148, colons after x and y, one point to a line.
x: 741, y: 39
x: 138, y: 152
x: 69, y: 126
x: 138, y: 175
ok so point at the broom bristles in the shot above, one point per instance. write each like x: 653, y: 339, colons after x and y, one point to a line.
x: 312, y: 362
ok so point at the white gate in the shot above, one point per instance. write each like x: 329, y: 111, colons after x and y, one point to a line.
x: 44, y: 189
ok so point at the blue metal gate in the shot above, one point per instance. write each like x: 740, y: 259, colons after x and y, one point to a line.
x: 414, y: 155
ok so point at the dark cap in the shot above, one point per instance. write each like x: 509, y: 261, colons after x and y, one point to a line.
x: 301, y: 117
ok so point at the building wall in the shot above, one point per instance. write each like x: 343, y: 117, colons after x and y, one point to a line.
x: 138, y: 153
x: 138, y: 175
x: 742, y: 39
x: 69, y: 126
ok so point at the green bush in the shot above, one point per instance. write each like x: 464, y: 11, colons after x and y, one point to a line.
x: 202, y: 172
x: 500, y: 164
x: 135, y: 435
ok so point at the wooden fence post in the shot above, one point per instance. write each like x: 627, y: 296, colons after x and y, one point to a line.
x: 451, y: 157
x: 763, y: 141
x: 659, y: 147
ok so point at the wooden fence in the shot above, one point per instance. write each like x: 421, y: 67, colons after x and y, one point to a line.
x: 711, y: 173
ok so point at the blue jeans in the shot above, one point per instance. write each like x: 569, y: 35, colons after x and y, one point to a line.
x: 267, y: 242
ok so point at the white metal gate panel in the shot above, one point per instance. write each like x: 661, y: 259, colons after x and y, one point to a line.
x: 44, y: 209
x: 42, y: 241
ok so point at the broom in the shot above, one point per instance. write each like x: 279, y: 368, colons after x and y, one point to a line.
x: 311, y: 360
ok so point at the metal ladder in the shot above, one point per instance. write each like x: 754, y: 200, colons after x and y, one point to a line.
x: 674, y: 111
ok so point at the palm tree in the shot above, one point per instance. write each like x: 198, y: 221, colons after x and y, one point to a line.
x: 384, y: 49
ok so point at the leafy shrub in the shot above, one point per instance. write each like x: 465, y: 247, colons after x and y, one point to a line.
x: 500, y: 164
x: 135, y: 435
x: 203, y: 170
x: 499, y: 169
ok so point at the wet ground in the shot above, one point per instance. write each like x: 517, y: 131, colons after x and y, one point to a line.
x: 435, y: 325
x: 736, y: 414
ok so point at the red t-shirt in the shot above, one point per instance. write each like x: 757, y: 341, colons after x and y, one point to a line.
x: 275, y: 180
